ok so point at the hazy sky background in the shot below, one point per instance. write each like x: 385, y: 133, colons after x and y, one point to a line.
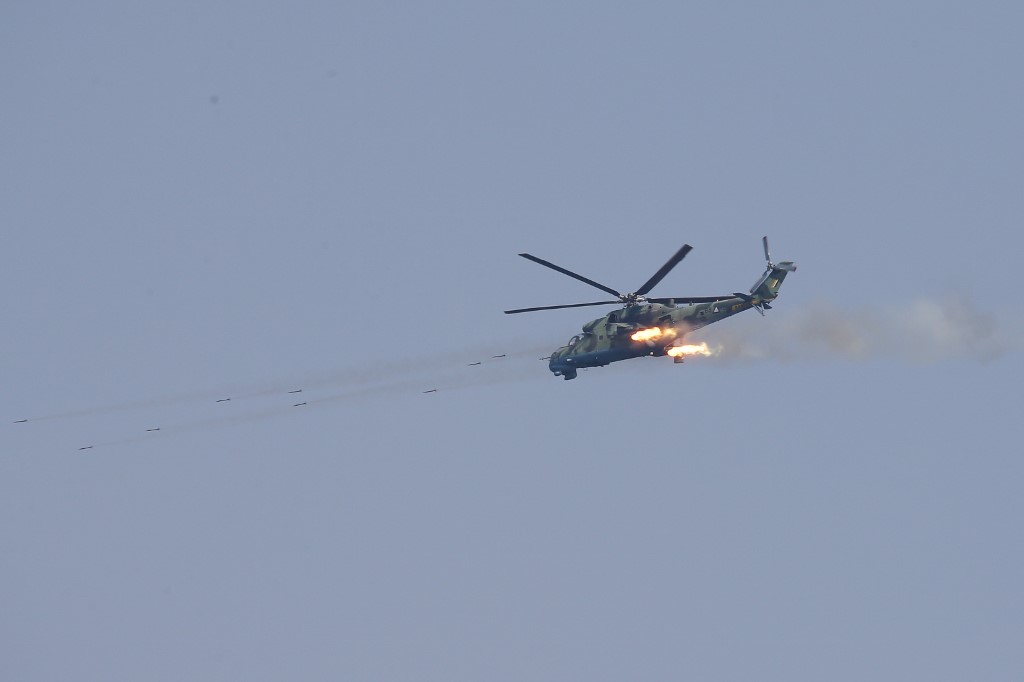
x: 209, y: 200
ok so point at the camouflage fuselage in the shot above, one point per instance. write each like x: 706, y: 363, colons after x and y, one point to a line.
x: 607, y: 339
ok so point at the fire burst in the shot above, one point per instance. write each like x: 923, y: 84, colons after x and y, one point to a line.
x: 652, y: 334
x: 691, y: 349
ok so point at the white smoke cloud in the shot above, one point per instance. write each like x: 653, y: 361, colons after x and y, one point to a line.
x: 918, y: 331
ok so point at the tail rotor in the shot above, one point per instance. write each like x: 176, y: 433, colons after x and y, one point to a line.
x: 788, y: 266
x: 766, y: 288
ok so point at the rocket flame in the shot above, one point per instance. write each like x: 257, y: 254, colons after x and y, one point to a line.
x: 691, y: 349
x: 652, y: 333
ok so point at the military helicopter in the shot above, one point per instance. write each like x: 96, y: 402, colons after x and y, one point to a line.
x: 652, y: 326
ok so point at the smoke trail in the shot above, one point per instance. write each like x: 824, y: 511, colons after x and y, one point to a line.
x: 139, y: 404
x: 406, y: 366
x: 920, y: 331
x: 507, y: 369
x: 368, y: 373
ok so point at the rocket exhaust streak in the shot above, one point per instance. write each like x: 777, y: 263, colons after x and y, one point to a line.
x: 653, y: 333
x: 692, y: 349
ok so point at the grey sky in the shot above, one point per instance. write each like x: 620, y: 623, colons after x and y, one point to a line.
x: 208, y: 200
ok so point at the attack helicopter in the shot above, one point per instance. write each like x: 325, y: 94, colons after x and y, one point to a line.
x: 652, y: 326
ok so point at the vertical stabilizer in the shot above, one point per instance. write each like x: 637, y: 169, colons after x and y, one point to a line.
x: 767, y: 287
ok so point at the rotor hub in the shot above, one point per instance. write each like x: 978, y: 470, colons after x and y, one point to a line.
x: 632, y: 299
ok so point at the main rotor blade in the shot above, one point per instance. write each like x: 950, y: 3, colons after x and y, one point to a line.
x: 570, y: 273
x: 556, y: 307
x: 660, y: 274
x: 679, y: 300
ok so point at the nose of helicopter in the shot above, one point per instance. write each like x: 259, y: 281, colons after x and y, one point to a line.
x: 561, y: 365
